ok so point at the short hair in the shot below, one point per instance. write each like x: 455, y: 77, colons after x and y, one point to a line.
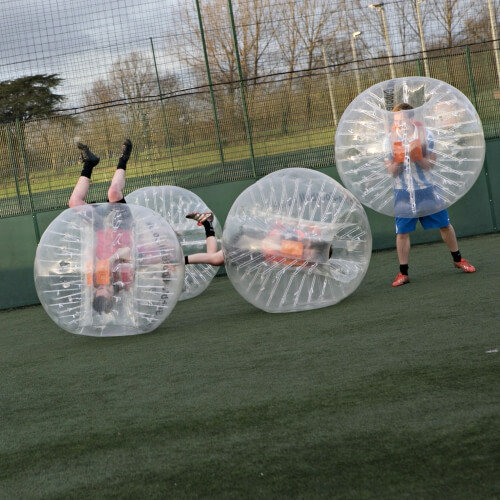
x: 102, y: 304
x: 402, y: 106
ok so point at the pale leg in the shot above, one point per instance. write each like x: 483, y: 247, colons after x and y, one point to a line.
x: 449, y: 237
x: 115, y: 191
x: 214, y: 259
x: 403, y: 247
x: 79, y: 192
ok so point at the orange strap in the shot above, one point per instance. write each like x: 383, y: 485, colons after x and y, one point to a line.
x: 102, y: 273
x: 415, y: 151
x: 292, y: 248
x: 89, y: 274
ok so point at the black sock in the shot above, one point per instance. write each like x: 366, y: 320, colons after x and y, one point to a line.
x: 87, y: 169
x: 209, y: 228
x: 403, y: 269
x: 457, y: 257
x: 186, y: 260
x: 122, y: 163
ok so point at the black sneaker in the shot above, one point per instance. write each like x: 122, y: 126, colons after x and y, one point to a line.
x: 86, y: 155
x: 126, y: 149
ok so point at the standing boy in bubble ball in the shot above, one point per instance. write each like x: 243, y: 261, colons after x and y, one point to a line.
x: 113, y: 269
x: 421, y: 143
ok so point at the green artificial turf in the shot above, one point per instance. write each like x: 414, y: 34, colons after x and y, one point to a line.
x: 393, y: 393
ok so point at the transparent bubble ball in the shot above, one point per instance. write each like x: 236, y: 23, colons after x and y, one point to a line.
x: 296, y: 240
x: 414, y: 162
x: 173, y: 203
x: 109, y: 269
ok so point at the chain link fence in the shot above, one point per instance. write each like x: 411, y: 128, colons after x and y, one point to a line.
x: 213, y: 91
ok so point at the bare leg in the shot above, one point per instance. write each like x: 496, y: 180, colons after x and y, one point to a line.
x: 449, y: 237
x: 79, y: 192
x: 403, y: 247
x: 115, y: 191
x: 214, y: 259
x: 211, y: 244
x: 90, y: 160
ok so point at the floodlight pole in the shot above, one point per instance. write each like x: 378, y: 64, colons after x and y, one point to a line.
x: 355, y: 59
x: 494, y: 35
x: 422, y: 40
x: 330, y: 84
x: 380, y: 8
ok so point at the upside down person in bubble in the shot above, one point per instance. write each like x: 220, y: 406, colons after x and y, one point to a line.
x: 283, y: 245
x: 422, y: 158
x: 112, y: 270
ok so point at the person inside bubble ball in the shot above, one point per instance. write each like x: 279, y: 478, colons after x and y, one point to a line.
x: 421, y: 156
x: 112, y: 270
x: 283, y: 245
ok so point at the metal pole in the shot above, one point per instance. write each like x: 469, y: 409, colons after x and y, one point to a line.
x: 471, y: 75
x: 210, y: 86
x: 355, y: 60
x: 242, y: 89
x: 380, y: 8
x: 330, y: 85
x: 494, y: 35
x: 23, y: 155
x: 164, y: 115
x: 13, y: 163
x: 422, y: 40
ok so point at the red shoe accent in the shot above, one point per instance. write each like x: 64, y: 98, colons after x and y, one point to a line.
x: 400, y: 279
x: 200, y: 217
x: 465, y: 266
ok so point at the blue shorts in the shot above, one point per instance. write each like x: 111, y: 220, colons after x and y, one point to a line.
x: 407, y: 225
x: 427, y: 200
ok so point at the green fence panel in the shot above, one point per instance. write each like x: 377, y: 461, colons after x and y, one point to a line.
x: 493, y: 166
x: 17, y: 254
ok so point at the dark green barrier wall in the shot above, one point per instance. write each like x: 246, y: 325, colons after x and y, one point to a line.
x: 476, y: 213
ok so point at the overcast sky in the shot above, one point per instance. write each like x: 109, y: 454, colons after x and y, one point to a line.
x: 80, y: 39
x: 76, y: 38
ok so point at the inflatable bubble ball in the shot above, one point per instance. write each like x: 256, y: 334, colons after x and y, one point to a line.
x: 109, y: 269
x: 173, y: 203
x: 296, y: 240
x: 409, y: 147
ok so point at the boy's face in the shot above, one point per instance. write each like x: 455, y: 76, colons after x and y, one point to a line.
x: 400, y: 118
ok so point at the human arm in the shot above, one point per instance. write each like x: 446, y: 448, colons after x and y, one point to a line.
x: 393, y: 167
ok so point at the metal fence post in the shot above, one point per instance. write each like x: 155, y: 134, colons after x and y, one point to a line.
x: 471, y: 76
x: 13, y: 163
x: 419, y: 67
x: 210, y: 85
x: 242, y: 89
x: 23, y: 156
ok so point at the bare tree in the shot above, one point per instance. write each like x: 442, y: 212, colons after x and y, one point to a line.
x: 478, y: 29
x: 254, y: 31
x: 451, y: 16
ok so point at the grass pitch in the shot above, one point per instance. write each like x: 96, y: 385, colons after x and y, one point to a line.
x: 393, y: 393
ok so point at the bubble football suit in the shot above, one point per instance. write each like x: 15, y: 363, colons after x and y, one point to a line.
x: 296, y: 240
x: 108, y: 270
x: 173, y: 203
x: 415, y: 162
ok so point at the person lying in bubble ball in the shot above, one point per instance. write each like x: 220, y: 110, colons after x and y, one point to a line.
x: 285, y: 244
x: 422, y: 159
x: 113, y: 270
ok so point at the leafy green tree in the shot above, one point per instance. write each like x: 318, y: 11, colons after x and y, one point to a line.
x: 29, y: 97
